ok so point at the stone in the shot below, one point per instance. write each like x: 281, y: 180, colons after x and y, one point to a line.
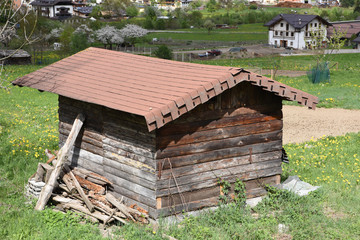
x: 295, y: 185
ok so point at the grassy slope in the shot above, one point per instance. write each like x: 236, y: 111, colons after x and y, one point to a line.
x: 28, y: 125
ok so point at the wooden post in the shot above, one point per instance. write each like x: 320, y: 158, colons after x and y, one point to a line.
x: 182, y: 57
x: 62, y: 157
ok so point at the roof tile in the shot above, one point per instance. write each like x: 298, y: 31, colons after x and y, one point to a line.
x: 157, y: 89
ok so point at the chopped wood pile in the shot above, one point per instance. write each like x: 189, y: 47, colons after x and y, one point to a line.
x: 78, y: 189
x: 85, y: 192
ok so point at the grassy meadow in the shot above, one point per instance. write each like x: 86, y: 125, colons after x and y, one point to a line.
x: 29, y: 123
x: 212, y: 36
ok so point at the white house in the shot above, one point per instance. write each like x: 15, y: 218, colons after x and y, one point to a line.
x: 59, y: 9
x: 295, y: 30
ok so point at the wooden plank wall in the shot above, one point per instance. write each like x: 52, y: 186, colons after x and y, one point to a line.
x: 116, y: 145
x: 88, y: 151
x: 129, y: 158
x: 235, y: 135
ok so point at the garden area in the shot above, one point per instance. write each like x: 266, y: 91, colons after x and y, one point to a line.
x: 29, y: 125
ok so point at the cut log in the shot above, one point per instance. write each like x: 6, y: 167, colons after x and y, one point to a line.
x: 48, y: 170
x: 39, y: 175
x: 62, y: 157
x: 89, y: 205
x: 83, y: 209
x: 69, y: 183
x: 122, y: 208
x: 65, y: 200
x: 90, y: 176
x: 90, y: 186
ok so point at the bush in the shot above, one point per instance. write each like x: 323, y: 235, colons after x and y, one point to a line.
x: 163, y: 52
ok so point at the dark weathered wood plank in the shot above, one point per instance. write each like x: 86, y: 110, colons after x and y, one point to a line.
x: 134, y: 190
x: 121, y: 190
x: 176, y: 127
x: 143, y: 166
x: 218, y: 164
x: 222, y: 154
x: 212, y: 182
x: 140, y: 177
x: 129, y: 147
x: 202, y: 194
x: 199, y: 147
x: 216, y: 174
x: 84, y: 137
x: 221, y: 133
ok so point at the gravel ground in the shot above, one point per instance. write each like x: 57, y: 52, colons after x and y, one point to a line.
x: 301, y: 123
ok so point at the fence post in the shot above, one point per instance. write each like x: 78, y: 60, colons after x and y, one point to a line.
x: 182, y: 57
x: 189, y: 57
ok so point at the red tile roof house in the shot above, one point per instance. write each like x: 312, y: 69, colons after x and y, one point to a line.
x: 165, y: 132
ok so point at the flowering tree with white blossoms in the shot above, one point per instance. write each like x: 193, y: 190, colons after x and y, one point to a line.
x: 131, y: 32
x: 109, y: 35
x: 54, y: 35
x: 85, y: 30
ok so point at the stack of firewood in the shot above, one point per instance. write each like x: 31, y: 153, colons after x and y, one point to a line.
x: 85, y: 192
x: 80, y: 190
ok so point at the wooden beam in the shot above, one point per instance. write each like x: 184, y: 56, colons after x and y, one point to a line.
x: 62, y: 157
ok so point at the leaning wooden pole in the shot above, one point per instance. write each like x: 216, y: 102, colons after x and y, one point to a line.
x: 62, y: 157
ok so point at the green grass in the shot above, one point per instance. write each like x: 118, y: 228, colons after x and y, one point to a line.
x: 346, y: 62
x: 253, y: 28
x: 28, y: 125
x: 213, y: 36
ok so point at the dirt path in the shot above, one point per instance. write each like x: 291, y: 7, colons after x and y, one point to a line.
x: 300, y: 123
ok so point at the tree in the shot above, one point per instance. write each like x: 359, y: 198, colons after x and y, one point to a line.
x: 211, y: 6
x: 209, y: 25
x: 109, y: 35
x: 96, y: 12
x: 324, y: 48
x: 195, y: 18
x: 132, y: 32
x: 132, y: 11
x: 65, y: 39
x: 347, y: 3
x: 10, y: 19
x: 115, y: 7
x: 227, y: 4
x: 164, y: 52
x: 81, y: 38
x: 357, y: 6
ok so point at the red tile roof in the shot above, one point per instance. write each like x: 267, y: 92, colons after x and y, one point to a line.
x: 349, y: 28
x: 160, y: 90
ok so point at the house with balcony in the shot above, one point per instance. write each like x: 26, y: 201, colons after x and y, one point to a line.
x: 297, y: 31
x: 57, y: 9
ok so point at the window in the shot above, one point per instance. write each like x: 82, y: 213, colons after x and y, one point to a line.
x: 291, y: 43
x: 292, y: 34
x: 315, y: 24
x: 281, y: 24
x: 319, y: 25
x: 281, y: 33
x: 287, y: 34
x: 310, y: 24
x: 276, y: 33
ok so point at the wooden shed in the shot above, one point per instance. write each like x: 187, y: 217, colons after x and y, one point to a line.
x: 165, y: 132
